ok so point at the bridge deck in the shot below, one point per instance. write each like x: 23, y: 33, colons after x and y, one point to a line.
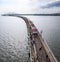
x: 39, y: 51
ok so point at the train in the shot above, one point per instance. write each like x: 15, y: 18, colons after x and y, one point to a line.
x: 34, y: 31
x: 33, y: 28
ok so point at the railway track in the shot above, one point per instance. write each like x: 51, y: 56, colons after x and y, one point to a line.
x: 39, y: 51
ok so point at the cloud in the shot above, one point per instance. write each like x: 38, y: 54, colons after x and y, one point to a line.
x: 18, y: 6
x: 29, y: 6
x: 52, y: 4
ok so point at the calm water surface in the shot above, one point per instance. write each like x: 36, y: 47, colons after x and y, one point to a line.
x: 13, y: 40
x: 13, y: 36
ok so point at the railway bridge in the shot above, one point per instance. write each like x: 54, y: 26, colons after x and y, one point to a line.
x: 39, y: 50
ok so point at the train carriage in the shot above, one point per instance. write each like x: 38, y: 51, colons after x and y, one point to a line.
x: 34, y: 30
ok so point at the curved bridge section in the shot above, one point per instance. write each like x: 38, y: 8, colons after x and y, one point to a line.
x: 39, y: 50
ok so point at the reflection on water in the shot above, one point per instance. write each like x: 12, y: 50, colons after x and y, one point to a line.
x: 50, y: 25
x: 13, y: 40
x: 13, y: 36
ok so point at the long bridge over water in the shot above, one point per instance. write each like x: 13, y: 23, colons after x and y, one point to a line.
x: 39, y: 50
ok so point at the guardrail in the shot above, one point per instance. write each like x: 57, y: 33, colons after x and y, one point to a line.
x: 47, y: 49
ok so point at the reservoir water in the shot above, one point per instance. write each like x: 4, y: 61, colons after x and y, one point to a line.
x: 14, y: 41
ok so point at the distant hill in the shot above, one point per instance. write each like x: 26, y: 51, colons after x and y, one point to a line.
x: 55, y: 14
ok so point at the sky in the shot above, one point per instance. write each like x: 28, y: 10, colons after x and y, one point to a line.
x: 29, y: 6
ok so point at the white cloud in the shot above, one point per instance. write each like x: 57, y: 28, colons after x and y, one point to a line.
x: 19, y: 6
x: 36, y: 6
x: 50, y: 10
x: 26, y: 6
x: 51, y: 1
